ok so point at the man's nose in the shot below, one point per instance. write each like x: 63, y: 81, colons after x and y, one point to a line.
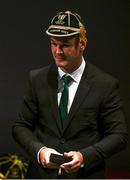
x: 59, y: 50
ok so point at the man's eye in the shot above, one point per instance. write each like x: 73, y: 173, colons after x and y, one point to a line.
x: 53, y: 44
x: 65, y: 45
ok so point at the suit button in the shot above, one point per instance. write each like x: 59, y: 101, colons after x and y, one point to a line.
x: 62, y: 141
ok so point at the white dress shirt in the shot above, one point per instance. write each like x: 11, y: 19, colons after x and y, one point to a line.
x: 76, y: 76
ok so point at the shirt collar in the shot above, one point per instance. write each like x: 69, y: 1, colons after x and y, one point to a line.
x: 76, y: 75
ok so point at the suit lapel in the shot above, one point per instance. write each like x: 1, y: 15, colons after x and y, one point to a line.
x: 53, y: 88
x: 81, y: 94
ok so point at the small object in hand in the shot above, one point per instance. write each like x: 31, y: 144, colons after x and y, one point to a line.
x: 59, y: 159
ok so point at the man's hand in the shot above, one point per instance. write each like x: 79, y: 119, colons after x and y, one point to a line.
x: 75, y: 164
x: 44, y: 158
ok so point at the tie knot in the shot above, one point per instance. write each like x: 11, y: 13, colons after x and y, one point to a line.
x: 67, y: 79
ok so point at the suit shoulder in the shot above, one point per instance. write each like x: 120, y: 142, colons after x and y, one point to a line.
x: 39, y: 71
x: 101, y: 75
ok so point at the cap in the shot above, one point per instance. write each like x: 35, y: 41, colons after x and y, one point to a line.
x: 64, y: 24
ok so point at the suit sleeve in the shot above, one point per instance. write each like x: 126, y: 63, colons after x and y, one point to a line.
x: 112, y: 127
x: 24, y: 127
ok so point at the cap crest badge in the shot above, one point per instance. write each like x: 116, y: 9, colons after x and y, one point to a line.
x: 60, y: 19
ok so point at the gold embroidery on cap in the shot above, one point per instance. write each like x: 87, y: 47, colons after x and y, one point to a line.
x: 60, y: 19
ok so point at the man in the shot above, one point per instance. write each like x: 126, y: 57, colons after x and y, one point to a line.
x: 86, y: 127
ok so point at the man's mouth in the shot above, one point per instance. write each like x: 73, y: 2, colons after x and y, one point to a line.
x: 60, y: 58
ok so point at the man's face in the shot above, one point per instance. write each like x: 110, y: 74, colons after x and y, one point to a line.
x: 67, y: 52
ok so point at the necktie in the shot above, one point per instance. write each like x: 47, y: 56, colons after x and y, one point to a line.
x: 63, y: 110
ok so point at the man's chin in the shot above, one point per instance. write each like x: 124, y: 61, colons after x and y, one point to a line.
x: 61, y: 64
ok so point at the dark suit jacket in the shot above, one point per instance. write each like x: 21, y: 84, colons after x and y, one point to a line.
x: 95, y: 124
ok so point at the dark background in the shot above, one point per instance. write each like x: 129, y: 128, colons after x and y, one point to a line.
x: 25, y: 46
